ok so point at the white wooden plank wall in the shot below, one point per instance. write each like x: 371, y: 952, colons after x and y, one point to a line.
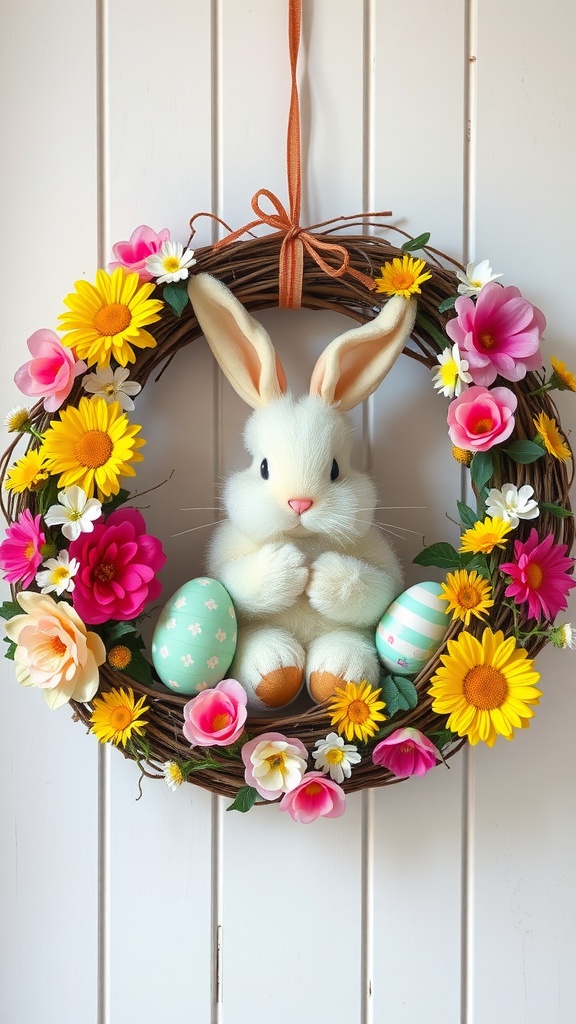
x: 446, y: 899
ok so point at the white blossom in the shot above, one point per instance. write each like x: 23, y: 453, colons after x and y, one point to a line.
x: 112, y: 386
x: 476, y: 276
x: 335, y: 757
x: 75, y: 512
x: 512, y: 504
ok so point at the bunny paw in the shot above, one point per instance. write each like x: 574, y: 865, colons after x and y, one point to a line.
x: 268, y: 580
x: 338, y: 658
x: 270, y: 664
x: 346, y: 589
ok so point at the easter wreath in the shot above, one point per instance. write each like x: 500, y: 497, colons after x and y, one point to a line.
x: 66, y: 512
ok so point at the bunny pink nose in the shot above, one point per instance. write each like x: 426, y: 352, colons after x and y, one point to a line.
x: 300, y: 505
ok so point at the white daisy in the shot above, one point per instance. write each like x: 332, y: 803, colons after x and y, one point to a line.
x: 16, y: 419
x: 112, y: 386
x: 75, y: 512
x: 452, y: 374
x: 476, y: 276
x: 335, y: 757
x: 58, y: 575
x: 173, y: 774
x: 512, y: 504
x: 171, y: 263
x: 564, y: 636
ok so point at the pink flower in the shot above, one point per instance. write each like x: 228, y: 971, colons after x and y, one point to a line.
x: 539, y: 576
x: 406, y: 752
x: 499, y: 334
x: 118, y: 565
x: 51, y: 372
x: 132, y: 255
x: 215, y: 718
x: 480, y: 418
x: 274, y: 763
x: 20, y: 553
x: 315, y: 796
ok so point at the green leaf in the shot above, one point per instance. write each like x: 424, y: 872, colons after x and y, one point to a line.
x: 468, y: 517
x: 399, y: 694
x: 481, y: 470
x: 413, y: 244
x: 139, y: 669
x: 555, y: 510
x: 115, y: 501
x: 477, y: 561
x: 442, y: 737
x: 245, y: 800
x: 442, y: 555
x: 524, y: 452
x: 441, y: 339
x: 112, y: 632
x: 10, y: 650
x: 8, y: 609
x: 176, y: 296
x: 48, y: 495
x: 448, y: 303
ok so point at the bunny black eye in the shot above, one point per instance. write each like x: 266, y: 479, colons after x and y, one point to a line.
x: 264, y: 469
x: 335, y: 471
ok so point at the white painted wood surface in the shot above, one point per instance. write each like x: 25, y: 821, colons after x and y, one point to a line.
x: 448, y: 899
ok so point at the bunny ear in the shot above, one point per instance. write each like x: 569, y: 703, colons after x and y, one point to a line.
x: 240, y: 344
x: 354, y: 364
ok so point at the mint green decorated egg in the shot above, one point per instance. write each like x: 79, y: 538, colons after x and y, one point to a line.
x: 195, y: 637
x: 412, y: 629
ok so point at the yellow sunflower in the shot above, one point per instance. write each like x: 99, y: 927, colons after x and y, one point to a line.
x: 486, y: 687
x: 482, y: 538
x: 92, y: 446
x: 562, y: 378
x: 355, y: 710
x: 107, y: 318
x: 467, y: 594
x: 117, y: 715
x: 553, y: 441
x: 28, y: 473
x: 402, y: 277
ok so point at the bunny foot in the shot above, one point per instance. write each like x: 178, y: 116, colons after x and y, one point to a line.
x: 269, y: 663
x: 338, y: 658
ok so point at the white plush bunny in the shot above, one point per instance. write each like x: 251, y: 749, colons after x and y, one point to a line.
x: 309, y: 576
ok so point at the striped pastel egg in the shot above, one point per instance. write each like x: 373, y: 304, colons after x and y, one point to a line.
x: 411, y: 629
x: 194, y: 641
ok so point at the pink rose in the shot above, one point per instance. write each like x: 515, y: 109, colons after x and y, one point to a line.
x: 132, y: 255
x: 315, y: 796
x: 406, y: 752
x: 215, y: 718
x: 52, y: 371
x: 480, y: 418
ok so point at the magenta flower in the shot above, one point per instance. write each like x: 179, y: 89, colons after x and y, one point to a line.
x: 215, y: 718
x: 20, y: 553
x: 51, y: 372
x: 315, y: 796
x: 406, y: 752
x: 274, y: 763
x: 118, y: 563
x: 539, y: 576
x: 132, y: 255
x: 499, y: 334
x: 480, y: 418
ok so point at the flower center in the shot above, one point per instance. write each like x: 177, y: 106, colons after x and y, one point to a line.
x: 220, y: 721
x: 120, y: 718
x: 171, y: 264
x: 93, y: 449
x: 402, y: 280
x: 120, y: 656
x: 335, y: 756
x: 112, y: 319
x: 29, y: 550
x: 313, y: 788
x: 57, y: 646
x: 483, y: 426
x: 406, y: 748
x: 485, y: 687
x: 534, y: 576
x: 449, y: 373
x: 60, y: 574
x: 358, y: 712
x: 468, y: 597
x: 487, y: 340
x: 109, y: 389
x: 275, y: 760
x: 105, y: 572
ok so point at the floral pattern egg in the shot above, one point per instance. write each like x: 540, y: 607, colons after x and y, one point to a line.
x: 195, y: 638
x: 411, y: 629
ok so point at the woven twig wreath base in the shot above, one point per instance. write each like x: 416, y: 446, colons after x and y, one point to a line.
x: 250, y: 270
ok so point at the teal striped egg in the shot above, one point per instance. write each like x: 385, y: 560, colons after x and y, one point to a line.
x: 411, y: 629
x: 194, y: 641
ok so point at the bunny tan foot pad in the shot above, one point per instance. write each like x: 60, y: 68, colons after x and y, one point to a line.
x: 322, y: 685
x: 280, y: 686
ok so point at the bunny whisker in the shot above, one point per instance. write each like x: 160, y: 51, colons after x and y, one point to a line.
x: 193, y: 528
x: 203, y: 508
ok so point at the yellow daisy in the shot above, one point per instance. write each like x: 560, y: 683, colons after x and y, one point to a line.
x: 482, y: 538
x: 562, y: 378
x: 467, y: 594
x: 486, y: 687
x: 117, y: 715
x: 107, y: 318
x: 553, y: 441
x: 92, y: 446
x: 29, y: 473
x: 355, y: 710
x: 402, y: 277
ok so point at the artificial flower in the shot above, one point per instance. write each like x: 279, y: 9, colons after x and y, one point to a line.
x: 28, y: 473
x: 335, y: 757
x: 355, y: 710
x: 172, y: 772
x: 561, y: 378
x: 51, y: 372
x: 216, y: 717
x: 17, y: 420
x: 406, y: 752
x: 112, y: 386
x: 315, y: 796
x: 480, y: 418
x: 75, y: 512
x: 171, y: 263
x: 402, y: 277
x: 539, y: 575
x: 119, y: 563
x: 483, y: 537
x: 132, y: 255
x: 20, y: 552
x: 553, y: 440
x: 107, y: 319
x: 563, y: 636
x: 453, y: 372
x: 467, y: 594
x: 462, y: 455
x: 485, y: 687
x: 117, y: 716
x: 92, y: 446
x: 119, y: 657
x: 499, y: 334
x: 54, y: 650
x: 512, y: 503
x: 476, y: 277
x: 58, y: 576
x: 274, y: 764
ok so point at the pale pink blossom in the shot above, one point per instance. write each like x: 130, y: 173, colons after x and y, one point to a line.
x: 480, y: 418
x: 315, y: 796
x: 132, y: 255
x: 406, y: 752
x: 51, y: 372
x: 216, y: 717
